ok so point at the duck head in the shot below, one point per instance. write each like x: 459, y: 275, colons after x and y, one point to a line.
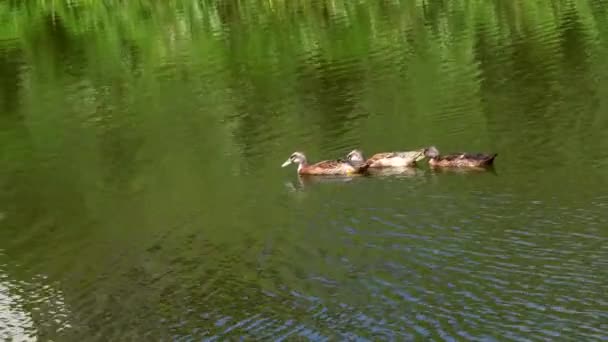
x: 295, y: 158
x: 431, y: 152
x: 355, y: 156
x: 421, y: 154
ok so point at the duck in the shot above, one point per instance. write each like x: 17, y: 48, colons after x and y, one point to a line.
x: 326, y: 167
x: 461, y: 159
x: 387, y: 159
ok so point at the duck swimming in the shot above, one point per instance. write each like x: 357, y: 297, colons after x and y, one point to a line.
x: 326, y: 167
x: 387, y: 159
x: 474, y: 160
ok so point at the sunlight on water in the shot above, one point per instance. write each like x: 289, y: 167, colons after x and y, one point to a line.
x: 14, y: 324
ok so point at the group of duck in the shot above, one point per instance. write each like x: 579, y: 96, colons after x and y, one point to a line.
x: 355, y: 163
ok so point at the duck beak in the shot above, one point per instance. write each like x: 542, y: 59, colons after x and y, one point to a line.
x: 286, y: 163
x: 422, y: 154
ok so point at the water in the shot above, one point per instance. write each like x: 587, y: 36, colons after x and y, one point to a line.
x: 142, y: 198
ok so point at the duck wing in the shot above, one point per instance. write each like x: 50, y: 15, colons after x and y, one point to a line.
x: 453, y: 156
x: 478, y: 157
x: 328, y: 164
x: 383, y: 155
x: 338, y: 166
x: 393, y: 159
x: 482, y: 158
x: 415, y: 155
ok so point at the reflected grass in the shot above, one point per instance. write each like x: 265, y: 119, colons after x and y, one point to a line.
x: 141, y: 139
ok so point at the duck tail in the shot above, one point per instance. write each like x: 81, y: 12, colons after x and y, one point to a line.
x: 363, y: 168
x: 489, y: 160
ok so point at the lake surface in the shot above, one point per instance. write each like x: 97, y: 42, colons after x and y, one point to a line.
x: 142, y: 196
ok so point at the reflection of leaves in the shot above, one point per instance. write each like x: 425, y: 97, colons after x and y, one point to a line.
x: 327, y: 57
x: 95, y: 82
x: 11, y: 61
x: 310, y: 24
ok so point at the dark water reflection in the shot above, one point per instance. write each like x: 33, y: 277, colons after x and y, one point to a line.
x: 142, y: 195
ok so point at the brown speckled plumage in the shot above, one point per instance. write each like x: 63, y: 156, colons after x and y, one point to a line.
x: 469, y: 160
x: 387, y: 159
x: 326, y: 167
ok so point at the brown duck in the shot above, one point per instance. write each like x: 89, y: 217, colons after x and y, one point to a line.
x: 387, y: 159
x: 326, y: 167
x: 472, y: 160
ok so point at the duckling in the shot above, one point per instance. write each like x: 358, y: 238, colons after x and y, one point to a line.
x: 387, y: 159
x: 326, y: 167
x: 473, y: 160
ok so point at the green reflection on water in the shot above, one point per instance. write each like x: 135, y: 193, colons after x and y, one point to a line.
x: 142, y: 193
